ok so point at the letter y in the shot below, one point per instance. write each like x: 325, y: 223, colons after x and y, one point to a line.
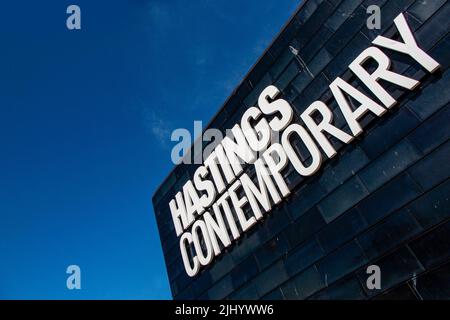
x: 409, y: 46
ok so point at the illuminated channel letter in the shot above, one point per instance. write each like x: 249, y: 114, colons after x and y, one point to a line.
x: 408, y: 46
x: 203, y: 258
x: 178, y: 211
x: 367, y: 104
x: 382, y: 72
x: 258, y: 135
x: 238, y: 204
x: 216, y: 229
x: 185, y: 241
x: 223, y: 202
x: 324, y: 125
x: 192, y: 202
x: 225, y: 164
x: 238, y: 150
x: 276, y: 160
x: 316, y: 156
x: 204, y: 185
x: 260, y: 195
x: 211, y: 164
x: 277, y: 105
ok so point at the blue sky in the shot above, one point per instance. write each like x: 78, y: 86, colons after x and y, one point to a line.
x: 85, y: 124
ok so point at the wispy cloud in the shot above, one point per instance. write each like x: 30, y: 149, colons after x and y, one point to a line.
x: 261, y: 45
x: 158, y: 12
x: 158, y: 127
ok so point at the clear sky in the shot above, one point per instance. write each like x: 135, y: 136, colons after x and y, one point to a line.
x: 85, y: 124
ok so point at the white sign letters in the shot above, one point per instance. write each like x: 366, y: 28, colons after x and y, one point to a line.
x: 209, y: 213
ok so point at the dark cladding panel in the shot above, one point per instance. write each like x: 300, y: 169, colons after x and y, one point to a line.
x: 383, y: 199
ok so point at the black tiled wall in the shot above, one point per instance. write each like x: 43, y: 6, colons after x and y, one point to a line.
x: 383, y: 200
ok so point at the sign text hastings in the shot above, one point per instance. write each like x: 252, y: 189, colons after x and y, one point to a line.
x: 204, y: 211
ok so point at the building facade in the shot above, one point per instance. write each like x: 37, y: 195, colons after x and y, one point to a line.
x: 382, y: 199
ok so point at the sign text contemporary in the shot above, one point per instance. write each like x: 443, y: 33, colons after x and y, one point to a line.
x: 208, y: 214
